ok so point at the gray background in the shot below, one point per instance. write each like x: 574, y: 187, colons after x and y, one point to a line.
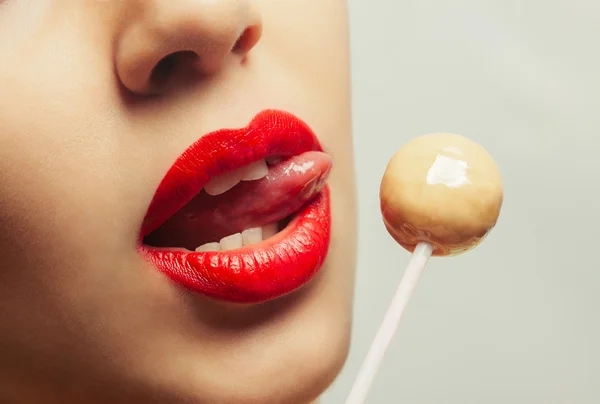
x: 516, y: 320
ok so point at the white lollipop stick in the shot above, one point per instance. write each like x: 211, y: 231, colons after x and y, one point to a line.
x: 386, y: 332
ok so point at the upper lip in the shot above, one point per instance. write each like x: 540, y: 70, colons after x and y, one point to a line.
x: 276, y: 266
x: 225, y: 150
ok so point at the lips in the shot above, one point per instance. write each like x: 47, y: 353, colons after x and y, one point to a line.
x: 292, y: 194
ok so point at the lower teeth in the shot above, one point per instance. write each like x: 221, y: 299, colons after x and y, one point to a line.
x: 208, y: 247
x: 239, y: 240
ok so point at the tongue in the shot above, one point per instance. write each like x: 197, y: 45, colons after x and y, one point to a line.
x: 286, y: 188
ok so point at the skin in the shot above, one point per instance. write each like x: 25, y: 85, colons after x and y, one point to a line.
x: 86, y: 137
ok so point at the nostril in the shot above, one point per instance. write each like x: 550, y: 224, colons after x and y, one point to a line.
x: 240, y: 42
x: 247, y: 40
x: 167, y: 66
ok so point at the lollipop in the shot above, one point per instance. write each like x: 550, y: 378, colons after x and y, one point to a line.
x: 440, y: 195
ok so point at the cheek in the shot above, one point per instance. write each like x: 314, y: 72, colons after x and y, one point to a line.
x: 58, y: 158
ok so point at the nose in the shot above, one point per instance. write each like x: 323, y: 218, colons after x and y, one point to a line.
x: 165, y: 39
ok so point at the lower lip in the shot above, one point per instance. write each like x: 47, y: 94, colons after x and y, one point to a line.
x: 257, y: 273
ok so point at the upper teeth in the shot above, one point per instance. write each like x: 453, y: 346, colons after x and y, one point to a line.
x: 255, y: 171
x: 225, y: 182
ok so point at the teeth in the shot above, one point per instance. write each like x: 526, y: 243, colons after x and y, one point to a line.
x: 252, y: 236
x: 231, y: 242
x: 248, y: 237
x: 209, y: 247
x: 255, y: 171
x: 223, y: 182
x: 269, y: 230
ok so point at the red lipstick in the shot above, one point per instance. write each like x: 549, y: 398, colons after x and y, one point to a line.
x: 253, y: 273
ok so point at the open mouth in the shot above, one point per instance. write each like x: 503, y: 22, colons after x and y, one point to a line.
x: 243, y: 215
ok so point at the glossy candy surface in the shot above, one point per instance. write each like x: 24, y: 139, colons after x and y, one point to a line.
x: 443, y: 189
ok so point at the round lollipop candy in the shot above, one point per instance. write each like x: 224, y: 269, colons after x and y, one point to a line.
x: 440, y: 195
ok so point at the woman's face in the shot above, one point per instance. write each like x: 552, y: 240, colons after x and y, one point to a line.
x: 101, y: 298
